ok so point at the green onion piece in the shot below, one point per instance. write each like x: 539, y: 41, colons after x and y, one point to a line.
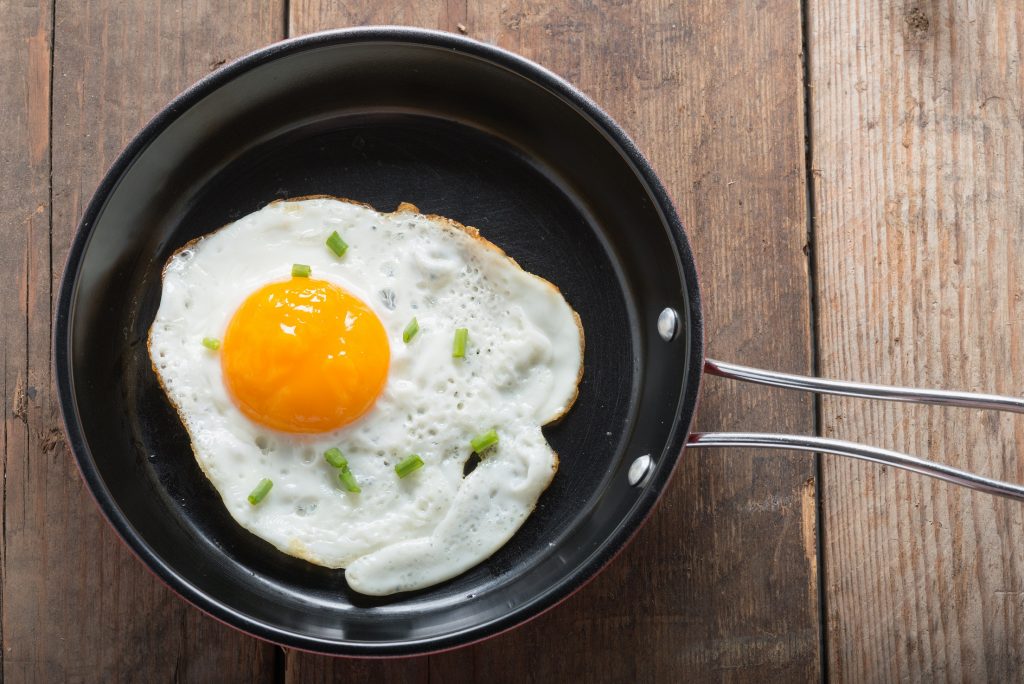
x: 349, y: 480
x: 459, y: 345
x: 301, y: 271
x: 337, y: 245
x: 410, y: 330
x: 409, y: 465
x: 335, y: 457
x: 480, y: 443
x: 211, y: 343
x: 257, y: 494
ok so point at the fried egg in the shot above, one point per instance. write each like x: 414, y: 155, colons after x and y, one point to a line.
x: 394, y: 344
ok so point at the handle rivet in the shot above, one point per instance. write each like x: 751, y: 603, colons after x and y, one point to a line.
x: 639, y: 470
x: 668, y: 324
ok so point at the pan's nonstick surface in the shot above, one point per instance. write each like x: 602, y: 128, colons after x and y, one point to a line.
x: 384, y: 116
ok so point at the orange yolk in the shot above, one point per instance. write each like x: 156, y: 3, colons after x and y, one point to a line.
x: 304, y: 355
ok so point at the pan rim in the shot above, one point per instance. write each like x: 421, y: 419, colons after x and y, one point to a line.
x: 614, y: 542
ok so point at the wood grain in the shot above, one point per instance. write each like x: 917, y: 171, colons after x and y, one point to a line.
x: 918, y: 149
x: 24, y: 232
x: 722, y: 582
x: 76, y: 604
x: 308, y: 16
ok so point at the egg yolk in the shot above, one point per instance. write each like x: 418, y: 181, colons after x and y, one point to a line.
x: 304, y: 355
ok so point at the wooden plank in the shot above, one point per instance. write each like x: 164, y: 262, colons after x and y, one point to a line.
x: 918, y: 146
x: 24, y: 234
x: 721, y: 582
x: 76, y: 604
x: 307, y: 16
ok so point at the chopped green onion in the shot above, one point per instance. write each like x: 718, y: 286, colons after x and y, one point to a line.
x: 338, y: 460
x: 257, y: 494
x: 480, y: 443
x: 337, y: 245
x: 301, y: 271
x: 349, y: 480
x: 409, y: 465
x: 410, y: 330
x: 335, y: 457
x: 459, y: 345
x: 211, y: 343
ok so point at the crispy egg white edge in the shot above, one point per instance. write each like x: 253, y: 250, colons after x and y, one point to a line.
x: 403, y: 208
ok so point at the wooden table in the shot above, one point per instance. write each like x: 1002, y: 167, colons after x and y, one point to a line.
x: 852, y: 176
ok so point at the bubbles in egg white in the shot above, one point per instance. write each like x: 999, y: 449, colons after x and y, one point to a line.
x: 521, y: 370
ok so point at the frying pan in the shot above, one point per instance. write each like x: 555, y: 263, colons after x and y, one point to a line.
x: 461, y: 129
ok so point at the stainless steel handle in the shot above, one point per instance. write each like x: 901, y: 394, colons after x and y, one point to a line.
x: 851, y: 449
x: 864, y: 391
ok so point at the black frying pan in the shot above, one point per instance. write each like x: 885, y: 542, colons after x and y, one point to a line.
x: 461, y: 129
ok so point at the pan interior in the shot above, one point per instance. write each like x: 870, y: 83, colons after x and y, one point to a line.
x: 380, y: 122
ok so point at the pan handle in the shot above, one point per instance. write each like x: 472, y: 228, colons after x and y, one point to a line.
x: 851, y: 449
x: 910, y: 395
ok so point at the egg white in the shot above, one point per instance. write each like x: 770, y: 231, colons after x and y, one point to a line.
x: 521, y: 370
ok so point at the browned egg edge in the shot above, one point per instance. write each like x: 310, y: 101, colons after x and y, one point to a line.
x: 296, y: 548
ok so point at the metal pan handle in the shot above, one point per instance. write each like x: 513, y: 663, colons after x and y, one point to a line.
x: 851, y: 449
